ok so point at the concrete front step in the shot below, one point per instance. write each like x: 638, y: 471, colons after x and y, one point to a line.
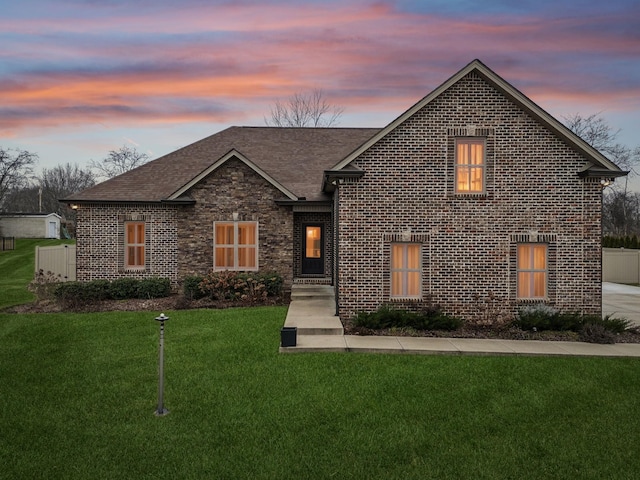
x: 313, y: 311
x: 312, y: 291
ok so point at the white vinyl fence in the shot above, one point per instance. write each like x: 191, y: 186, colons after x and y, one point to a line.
x: 620, y: 265
x: 59, y: 260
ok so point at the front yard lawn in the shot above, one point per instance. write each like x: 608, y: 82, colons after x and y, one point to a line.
x: 78, y: 392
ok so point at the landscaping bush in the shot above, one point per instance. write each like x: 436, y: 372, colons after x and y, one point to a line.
x: 387, y: 317
x: 544, y: 317
x: 72, y: 295
x: 191, y: 288
x: 123, y: 288
x: 241, y: 286
x: 154, y: 288
x: 273, y: 283
x: 97, y: 290
x: 596, y: 333
x: 44, y: 284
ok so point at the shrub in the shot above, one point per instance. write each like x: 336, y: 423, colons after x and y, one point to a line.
x: 191, y: 288
x: 123, y: 288
x: 97, y: 290
x: 273, y: 283
x: 596, y: 333
x: 241, y: 286
x: 154, y: 288
x: 544, y: 317
x: 44, y: 284
x: 71, y: 294
x: 387, y: 317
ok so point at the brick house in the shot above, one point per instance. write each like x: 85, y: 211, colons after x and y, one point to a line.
x: 473, y: 198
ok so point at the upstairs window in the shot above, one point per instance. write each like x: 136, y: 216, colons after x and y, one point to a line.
x: 406, y: 270
x: 532, y: 271
x: 134, y: 245
x: 470, y: 165
x: 235, y: 246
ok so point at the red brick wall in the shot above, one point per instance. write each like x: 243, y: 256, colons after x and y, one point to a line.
x: 532, y: 188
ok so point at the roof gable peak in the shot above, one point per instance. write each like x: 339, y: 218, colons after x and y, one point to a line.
x: 508, y: 91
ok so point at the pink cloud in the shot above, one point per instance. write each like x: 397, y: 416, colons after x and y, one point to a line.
x: 230, y: 61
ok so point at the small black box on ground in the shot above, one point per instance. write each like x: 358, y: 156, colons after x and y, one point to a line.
x: 288, y: 336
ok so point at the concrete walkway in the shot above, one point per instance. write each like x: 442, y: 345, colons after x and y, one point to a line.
x: 312, y: 311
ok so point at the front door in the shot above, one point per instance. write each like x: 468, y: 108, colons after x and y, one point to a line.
x: 313, y: 249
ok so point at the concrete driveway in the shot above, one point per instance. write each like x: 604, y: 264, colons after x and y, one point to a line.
x: 621, y: 301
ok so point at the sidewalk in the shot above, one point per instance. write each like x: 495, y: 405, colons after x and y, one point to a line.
x: 312, y: 311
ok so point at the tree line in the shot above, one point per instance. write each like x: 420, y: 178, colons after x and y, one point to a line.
x: 24, y: 191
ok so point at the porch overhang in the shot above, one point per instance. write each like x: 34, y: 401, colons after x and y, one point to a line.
x: 303, y: 205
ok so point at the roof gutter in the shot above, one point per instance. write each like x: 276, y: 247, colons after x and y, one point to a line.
x: 333, y: 178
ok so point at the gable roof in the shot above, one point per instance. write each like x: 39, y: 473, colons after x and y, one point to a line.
x: 291, y: 159
x: 599, y: 164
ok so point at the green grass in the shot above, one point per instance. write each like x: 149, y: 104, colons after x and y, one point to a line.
x: 17, y: 269
x: 78, y: 392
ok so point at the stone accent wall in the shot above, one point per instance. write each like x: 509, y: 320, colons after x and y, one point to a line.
x: 301, y: 219
x: 100, y: 241
x: 235, y: 189
x: 469, y: 241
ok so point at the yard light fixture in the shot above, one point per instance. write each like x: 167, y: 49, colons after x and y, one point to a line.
x: 161, y: 411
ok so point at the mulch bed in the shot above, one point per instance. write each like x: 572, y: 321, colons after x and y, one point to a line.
x: 500, y: 333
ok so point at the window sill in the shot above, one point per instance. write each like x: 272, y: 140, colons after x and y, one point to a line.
x: 405, y: 299
x: 235, y: 269
x: 534, y: 300
x: 471, y: 194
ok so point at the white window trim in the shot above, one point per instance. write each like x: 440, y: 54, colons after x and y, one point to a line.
x: 456, y: 165
x: 405, y: 271
x: 235, y: 246
x: 531, y: 271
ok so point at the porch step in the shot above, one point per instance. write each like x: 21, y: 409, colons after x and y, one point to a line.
x: 312, y: 281
x: 312, y: 291
x: 313, y: 310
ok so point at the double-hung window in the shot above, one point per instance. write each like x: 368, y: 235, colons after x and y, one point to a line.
x: 470, y: 165
x: 532, y: 271
x: 235, y: 246
x: 406, y: 270
x: 134, y: 249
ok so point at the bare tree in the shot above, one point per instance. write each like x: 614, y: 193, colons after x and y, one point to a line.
x: 15, y: 168
x: 62, y: 181
x: 598, y: 133
x: 304, y: 110
x: 621, y: 208
x: 118, y: 162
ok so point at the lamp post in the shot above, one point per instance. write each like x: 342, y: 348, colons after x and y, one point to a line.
x: 161, y: 410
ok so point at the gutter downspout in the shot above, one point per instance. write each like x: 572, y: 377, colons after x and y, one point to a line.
x: 336, y: 242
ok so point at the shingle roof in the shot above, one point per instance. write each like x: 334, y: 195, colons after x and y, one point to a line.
x: 294, y: 157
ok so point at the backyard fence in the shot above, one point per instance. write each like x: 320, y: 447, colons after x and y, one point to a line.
x: 7, y: 243
x: 59, y: 260
x: 620, y: 265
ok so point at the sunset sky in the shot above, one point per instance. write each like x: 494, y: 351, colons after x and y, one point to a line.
x: 80, y: 78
